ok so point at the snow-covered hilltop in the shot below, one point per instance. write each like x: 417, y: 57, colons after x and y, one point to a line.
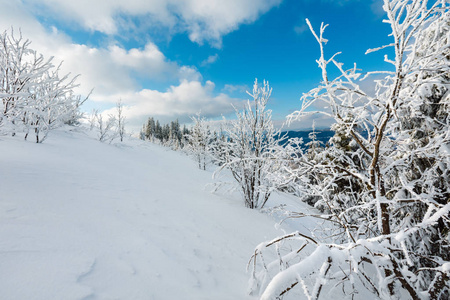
x: 81, y: 219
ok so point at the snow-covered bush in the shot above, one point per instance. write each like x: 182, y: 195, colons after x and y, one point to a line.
x: 107, y: 128
x: 249, y: 146
x: 34, y: 97
x: 384, y: 178
x: 198, y: 141
x: 120, y: 120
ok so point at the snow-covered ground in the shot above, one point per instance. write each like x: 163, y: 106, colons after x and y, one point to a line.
x: 80, y: 219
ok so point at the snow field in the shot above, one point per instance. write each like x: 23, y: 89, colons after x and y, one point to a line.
x: 80, y: 219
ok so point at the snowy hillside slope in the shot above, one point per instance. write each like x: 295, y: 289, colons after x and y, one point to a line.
x: 80, y: 219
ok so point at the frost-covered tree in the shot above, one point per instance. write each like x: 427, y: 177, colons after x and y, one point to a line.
x: 92, y: 119
x: 107, y: 129
x: 35, y: 98
x: 20, y: 67
x: 169, y: 135
x: 248, y: 150
x: 120, y: 120
x: 384, y: 178
x: 50, y: 104
x: 315, y: 146
x: 158, y: 134
x: 199, y: 141
x: 149, y: 128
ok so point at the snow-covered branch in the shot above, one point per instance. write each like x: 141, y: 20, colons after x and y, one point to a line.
x: 384, y: 177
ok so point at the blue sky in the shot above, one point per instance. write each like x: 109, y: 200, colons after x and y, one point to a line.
x: 170, y: 59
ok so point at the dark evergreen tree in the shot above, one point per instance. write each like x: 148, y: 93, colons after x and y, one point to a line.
x: 169, y: 134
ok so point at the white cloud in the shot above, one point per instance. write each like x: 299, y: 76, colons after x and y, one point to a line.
x: 181, y: 101
x: 210, y: 60
x: 109, y: 70
x: 150, y: 60
x: 321, y: 121
x: 377, y: 8
x: 300, y: 29
x: 189, y: 73
x: 231, y: 88
x: 203, y: 20
x: 112, y: 70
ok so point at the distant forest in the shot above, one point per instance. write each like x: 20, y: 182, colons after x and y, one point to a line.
x: 173, y: 133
